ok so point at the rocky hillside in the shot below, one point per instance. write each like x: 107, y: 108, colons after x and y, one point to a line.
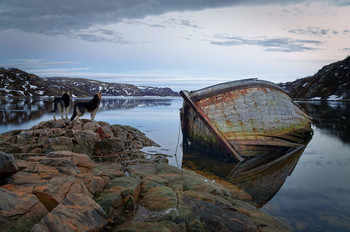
x: 91, y: 87
x: 17, y: 83
x: 332, y: 82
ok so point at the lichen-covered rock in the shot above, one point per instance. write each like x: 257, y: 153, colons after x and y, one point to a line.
x: 96, y: 184
x: 76, y: 213
x: 91, y: 138
x: 91, y: 126
x: 19, y: 212
x: 54, y: 191
x: 110, y: 145
x: 83, y: 161
x: 8, y: 165
x: 121, y: 194
x: 124, y: 187
x: 159, y: 198
x: 87, y: 140
x: 57, y: 143
x: 164, y: 226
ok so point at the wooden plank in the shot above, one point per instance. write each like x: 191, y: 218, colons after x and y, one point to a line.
x: 227, y: 146
x: 232, y: 85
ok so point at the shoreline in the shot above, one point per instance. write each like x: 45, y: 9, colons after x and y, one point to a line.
x: 112, y: 178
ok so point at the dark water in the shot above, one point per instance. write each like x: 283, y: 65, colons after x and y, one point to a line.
x: 308, y: 189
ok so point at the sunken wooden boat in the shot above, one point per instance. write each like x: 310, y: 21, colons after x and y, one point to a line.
x: 243, y: 118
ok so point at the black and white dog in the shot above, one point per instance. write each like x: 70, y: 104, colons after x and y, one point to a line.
x: 62, y: 104
x: 91, y: 106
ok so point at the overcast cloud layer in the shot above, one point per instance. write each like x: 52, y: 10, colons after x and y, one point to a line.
x: 173, y: 43
x: 57, y: 17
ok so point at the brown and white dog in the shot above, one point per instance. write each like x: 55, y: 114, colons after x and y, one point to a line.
x: 91, y: 106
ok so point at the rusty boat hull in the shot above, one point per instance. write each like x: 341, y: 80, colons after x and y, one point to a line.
x: 243, y: 118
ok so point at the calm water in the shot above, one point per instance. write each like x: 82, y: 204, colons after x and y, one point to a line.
x: 314, y: 197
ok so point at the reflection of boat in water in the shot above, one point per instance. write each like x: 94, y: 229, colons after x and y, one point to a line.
x: 261, y: 176
x: 244, y: 118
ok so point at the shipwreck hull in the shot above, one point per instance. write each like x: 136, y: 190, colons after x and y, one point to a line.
x: 243, y: 118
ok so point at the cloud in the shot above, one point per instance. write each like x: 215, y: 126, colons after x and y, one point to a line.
x: 181, y: 22
x: 346, y: 32
x: 102, y: 35
x: 39, y: 61
x: 271, y: 44
x: 34, y: 63
x: 315, y: 31
x: 54, y: 17
x: 173, y: 22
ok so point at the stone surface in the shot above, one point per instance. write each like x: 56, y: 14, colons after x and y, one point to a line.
x: 19, y: 212
x: 109, y: 185
x: 8, y: 165
x: 121, y: 194
x: 76, y: 213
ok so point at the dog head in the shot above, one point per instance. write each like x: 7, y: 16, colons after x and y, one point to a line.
x: 99, y: 95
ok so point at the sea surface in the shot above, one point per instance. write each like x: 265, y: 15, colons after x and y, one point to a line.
x: 314, y: 193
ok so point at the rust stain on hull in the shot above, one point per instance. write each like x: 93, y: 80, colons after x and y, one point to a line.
x: 249, y: 114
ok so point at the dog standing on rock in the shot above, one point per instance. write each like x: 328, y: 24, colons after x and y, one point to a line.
x: 91, y: 106
x: 62, y: 104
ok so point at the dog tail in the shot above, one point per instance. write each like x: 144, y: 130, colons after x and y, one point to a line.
x: 74, y: 112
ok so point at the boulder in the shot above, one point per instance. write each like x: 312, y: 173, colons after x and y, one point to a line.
x: 159, y: 198
x: 91, y: 126
x: 19, y: 212
x: 51, y: 124
x: 107, y: 130
x: 77, y: 212
x: 120, y: 194
x: 96, y: 184
x: 58, y: 143
x: 86, y: 140
x: 83, y: 161
x: 8, y: 165
x: 110, y: 145
x: 52, y: 192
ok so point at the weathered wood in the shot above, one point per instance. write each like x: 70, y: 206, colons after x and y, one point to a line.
x: 227, y: 146
x: 232, y: 85
x: 254, y: 116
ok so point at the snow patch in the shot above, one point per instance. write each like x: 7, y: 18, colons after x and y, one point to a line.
x: 334, y: 98
x: 315, y: 98
x: 6, y: 90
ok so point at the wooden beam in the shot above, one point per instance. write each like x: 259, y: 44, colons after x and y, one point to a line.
x: 227, y: 146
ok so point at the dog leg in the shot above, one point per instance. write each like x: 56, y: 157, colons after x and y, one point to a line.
x: 78, y: 119
x: 93, y: 114
x: 67, y: 110
x: 54, y: 116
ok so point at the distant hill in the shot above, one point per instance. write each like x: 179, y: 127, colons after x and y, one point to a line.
x: 332, y: 82
x: 17, y: 83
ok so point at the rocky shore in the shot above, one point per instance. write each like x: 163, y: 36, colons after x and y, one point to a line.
x: 93, y: 176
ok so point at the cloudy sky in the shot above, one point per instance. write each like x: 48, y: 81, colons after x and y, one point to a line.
x: 177, y: 43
